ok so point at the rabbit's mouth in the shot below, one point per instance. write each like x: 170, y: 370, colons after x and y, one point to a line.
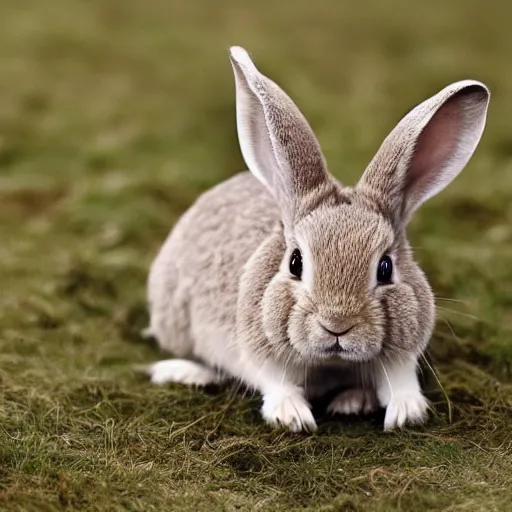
x: 347, y: 351
x: 334, y: 350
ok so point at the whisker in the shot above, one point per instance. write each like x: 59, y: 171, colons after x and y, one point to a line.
x: 287, y: 362
x: 363, y: 372
x: 240, y: 386
x: 472, y: 317
x: 445, y: 394
x: 420, y: 368
x: 451, y: 330
x: 447, y: 299
x: 260, y: 370
x: 306, y: 371
x: 387, y: 378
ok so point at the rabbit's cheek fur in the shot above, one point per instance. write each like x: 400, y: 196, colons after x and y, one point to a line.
x: 305, y: 334
x: 400, y: 308
x: 409, y: 310
x: 278, y: 301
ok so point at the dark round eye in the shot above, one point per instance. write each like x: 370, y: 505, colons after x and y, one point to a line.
x: 296, y: 263
x: 385, y: 270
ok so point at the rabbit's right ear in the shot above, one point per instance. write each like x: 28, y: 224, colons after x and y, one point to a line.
x: 427, y: 149
x: 277, y: 142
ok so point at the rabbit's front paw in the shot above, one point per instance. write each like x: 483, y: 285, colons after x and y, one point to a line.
x: 406, y: 408
x: 288, y: 408
x: 354, y: 401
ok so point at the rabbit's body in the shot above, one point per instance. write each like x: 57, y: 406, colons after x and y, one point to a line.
x: 194, y: 281
x: 293, y: 284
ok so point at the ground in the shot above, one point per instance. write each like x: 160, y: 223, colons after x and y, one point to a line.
x: 114, y: 116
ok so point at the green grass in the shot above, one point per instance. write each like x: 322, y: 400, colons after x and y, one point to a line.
x: 114, y: 116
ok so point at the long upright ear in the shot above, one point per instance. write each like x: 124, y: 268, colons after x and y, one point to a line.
x: 277, y: 142
x: 427, y: 149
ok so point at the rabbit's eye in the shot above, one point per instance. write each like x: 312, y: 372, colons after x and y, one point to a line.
x: 296, y: 263
x: 385, y: 270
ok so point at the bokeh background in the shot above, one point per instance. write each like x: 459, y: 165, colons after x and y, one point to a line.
x: 114, y: 116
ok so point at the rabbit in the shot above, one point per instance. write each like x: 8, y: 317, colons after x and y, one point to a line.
x: 295, y: 285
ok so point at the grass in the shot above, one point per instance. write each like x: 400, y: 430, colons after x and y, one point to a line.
x: 114, y: 116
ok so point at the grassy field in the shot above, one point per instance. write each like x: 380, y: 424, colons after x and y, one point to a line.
x: 114, y: 116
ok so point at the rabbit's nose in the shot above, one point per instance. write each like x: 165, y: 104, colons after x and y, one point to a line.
x: 336, y: 334
x: 338, y: 329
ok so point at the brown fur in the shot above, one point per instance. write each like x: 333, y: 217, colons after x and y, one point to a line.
x: 220, y: 290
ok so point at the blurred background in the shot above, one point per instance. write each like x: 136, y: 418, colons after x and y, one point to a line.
x: 115, y: 115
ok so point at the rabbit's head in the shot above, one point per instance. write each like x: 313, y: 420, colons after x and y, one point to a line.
x: 347, y: 285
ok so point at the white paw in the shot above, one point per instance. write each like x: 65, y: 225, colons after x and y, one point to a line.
x: 354, y: 401
x: 181, y: 370
x: 289, y: 409
x: 405, y: 409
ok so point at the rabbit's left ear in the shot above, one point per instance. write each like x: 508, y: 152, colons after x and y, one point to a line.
x: 427, y: 149
x: 277, y: 142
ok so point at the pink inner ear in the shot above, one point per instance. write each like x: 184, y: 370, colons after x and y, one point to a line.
x: 434, y: 148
